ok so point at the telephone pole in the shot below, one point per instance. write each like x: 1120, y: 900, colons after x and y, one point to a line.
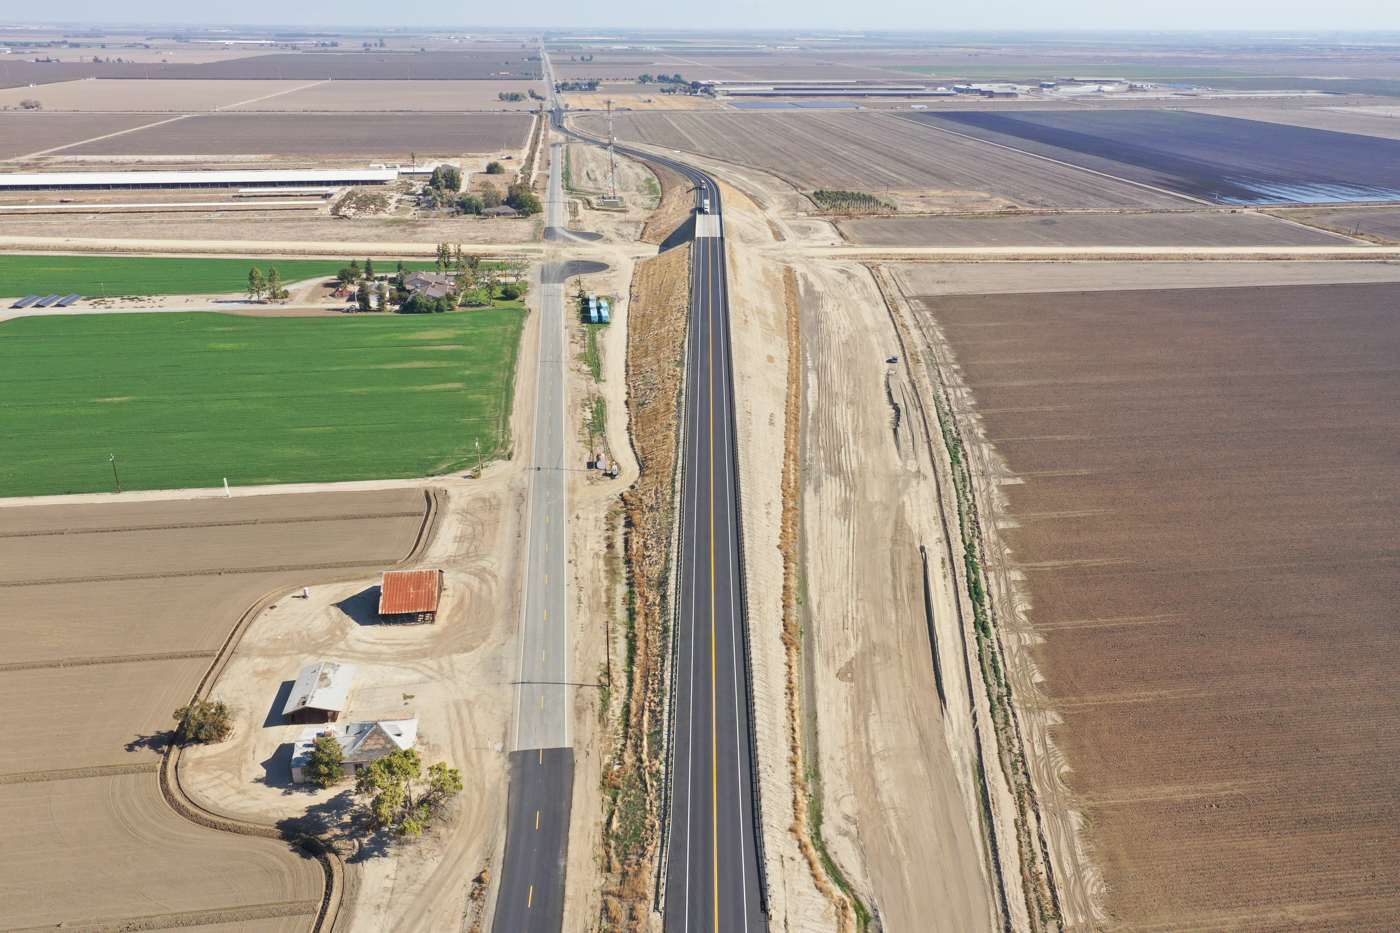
x: 611, y: 199
x: 115, y: 475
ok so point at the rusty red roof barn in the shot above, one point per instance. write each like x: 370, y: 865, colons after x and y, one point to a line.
x: 410, y: 593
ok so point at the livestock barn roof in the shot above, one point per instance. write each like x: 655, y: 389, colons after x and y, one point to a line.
x: 329, y: 177
x: 321, y: 686
x: 404, y: 592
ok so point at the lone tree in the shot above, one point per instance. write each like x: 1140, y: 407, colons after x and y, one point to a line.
x: 402, y: 799
x: 257, y: 285
x: 369, y: 268
x: 523, y: 199
x: 362, y: 296
x: 347, y: 276
x: 382, y: 298
x: 470, y: 204
x: 490, y: 196
x: 495, y: 168
x: 275, y: 291
x: 203, y: 721
x: 326, y: 766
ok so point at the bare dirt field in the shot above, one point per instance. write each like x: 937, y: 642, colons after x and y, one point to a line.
x: 1014, y: 278
x: 1383, y: 224
x: 381, y: 65
x: 417, y: 96
x: 117, y: 611
x: 374, y: 134
x: 1164, y: 229
x: 159, y: 95
x: 246, y: 226
x: 641, y: 97
x: 22, y: 133
x: 872, y: 151
x: 1195, y: 499
x: 1362, y: 120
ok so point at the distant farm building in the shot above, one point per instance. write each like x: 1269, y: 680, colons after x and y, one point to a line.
x: 362, y: 743
x: 319, y: 693
x: 410, y: 595
x: 503, y: 210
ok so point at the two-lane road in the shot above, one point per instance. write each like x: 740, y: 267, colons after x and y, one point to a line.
x: 713, y: 874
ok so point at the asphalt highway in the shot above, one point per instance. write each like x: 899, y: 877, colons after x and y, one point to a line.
x: 713, y: 880
x: 713, y: 877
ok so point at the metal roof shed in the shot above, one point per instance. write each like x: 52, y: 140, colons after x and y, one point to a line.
x: 410, y: 595
x: 319, y: 693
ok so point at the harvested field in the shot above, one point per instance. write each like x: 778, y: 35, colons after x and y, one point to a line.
x: 872, y: 151
x: 217, y: 227
x: 380, y: 65
x: 91, y: 839
x: 373, y: 134
x: 1365, y: 121
x: 157, y: 95
x: 1223, y: 159
x: 1014, y: 278
x: 24, y: 133
x: 1384, y: 224
x: 1165, y: 229
x: 184, y: 400
x: 415, y: 96
x: 1199, y: 489
x: 642, y: 98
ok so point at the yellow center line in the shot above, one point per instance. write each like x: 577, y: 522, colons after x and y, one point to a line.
x: 537, y: 819
x: 714, y: 663
x: 531, y: 901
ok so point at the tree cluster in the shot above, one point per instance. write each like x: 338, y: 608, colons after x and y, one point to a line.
x: 268, y: 287
x: 446, y: 178
x: 523, y: 199
x: 203, y: 721
x: 590, y: 85
x: 510, y: 95
x: 402, y: 798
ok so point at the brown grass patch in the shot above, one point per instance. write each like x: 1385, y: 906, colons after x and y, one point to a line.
x: 659, y: 307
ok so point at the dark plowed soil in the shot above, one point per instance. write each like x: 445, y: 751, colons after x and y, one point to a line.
x: 1207, y: 523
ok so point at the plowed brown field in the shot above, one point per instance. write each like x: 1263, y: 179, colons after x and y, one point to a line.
x: 113, y: 614
x: 1201, y: 492
x: 370, y: 134
x: 873, y: 151
x: 22, y: 133
x: 1164, y: 229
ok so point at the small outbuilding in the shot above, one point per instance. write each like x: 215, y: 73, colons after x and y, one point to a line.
x: 410, y: 595
x: 502, y: 210
x: 319, y: 693
x: 362, y: 743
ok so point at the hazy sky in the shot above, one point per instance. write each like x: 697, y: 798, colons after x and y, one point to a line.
x: 1305, y: 16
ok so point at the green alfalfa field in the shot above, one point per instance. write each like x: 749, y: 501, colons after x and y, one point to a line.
x: 186, y: 399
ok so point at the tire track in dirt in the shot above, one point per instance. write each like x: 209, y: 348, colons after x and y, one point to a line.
x: 186, y: 525
x: 181, y: 920
x: 113, y: 659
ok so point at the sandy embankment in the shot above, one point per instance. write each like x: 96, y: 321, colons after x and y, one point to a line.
x: 897, y: 776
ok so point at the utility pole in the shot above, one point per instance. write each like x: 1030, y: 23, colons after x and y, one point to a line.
x: 612, y: 161
x: 481, y: 464
x: 115, y: 474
